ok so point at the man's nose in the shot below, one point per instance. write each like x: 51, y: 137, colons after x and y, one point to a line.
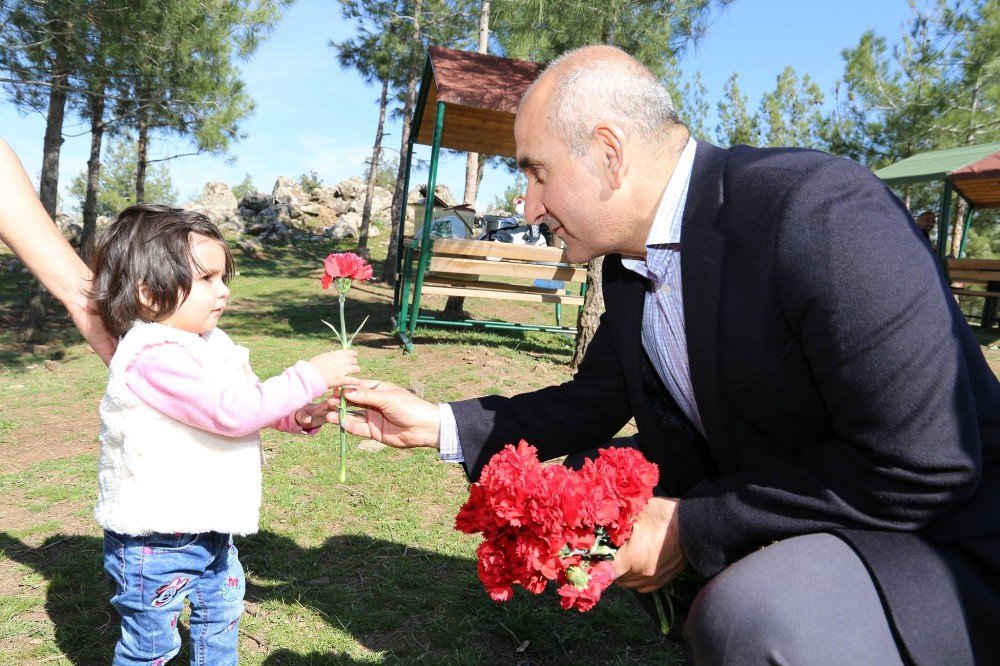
x: 534, y: 209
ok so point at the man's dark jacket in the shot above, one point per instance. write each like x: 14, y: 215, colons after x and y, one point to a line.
x: 840, y: 388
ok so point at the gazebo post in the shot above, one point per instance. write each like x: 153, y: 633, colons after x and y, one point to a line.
x: 425, y: 236
x: 944, y: 221
x: 404, y: 257
x: 398, y: 299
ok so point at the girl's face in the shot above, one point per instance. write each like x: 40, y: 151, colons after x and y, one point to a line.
x: 204, y: 305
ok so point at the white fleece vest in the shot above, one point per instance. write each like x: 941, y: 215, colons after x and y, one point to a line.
x: 157, y: 474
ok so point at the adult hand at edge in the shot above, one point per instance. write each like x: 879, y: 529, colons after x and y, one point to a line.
x: 392, y: 415
x: 89, y: 323
x: 652, y: 557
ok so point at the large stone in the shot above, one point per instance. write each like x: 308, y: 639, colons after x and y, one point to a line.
x: 351, y: 219
x: 288, y: 191
x: 381, y: 203
x: 340, y: 231
x: 352, y: 188
x: 277, y: 234
x: 71, y: 230
x: 338, y: 207
x: 326, y: 195
x: 256, y: 201
x: 443, y: 192
x: 218, y: 203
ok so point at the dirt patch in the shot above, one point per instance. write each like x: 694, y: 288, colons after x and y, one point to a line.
x: 47, y: 435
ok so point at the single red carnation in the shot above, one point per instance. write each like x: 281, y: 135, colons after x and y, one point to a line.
x: 345, y: 265
x: 512, y: 477
x: 493, y: 563
x: 627, y: 472
x: 475, y: 516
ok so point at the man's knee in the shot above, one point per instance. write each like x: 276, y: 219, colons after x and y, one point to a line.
x: 735, y: 615
x: 808, y: 599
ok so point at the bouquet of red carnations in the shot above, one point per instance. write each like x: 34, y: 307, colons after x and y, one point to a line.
x: 544, y: 523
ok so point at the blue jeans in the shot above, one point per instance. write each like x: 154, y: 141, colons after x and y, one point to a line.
x: 154, y: 574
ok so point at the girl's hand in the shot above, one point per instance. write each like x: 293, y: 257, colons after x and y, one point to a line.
x: 337, y: 367
x: 311, y: 417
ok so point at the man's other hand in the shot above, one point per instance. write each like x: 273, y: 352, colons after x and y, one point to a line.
x: 652, y: 557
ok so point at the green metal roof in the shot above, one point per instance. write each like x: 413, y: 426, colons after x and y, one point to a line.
x: 934, y: 165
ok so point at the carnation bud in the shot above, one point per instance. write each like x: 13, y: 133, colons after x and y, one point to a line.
x: 578, y: 577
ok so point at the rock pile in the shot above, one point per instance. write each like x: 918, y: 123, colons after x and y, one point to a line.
x: 289, y: 212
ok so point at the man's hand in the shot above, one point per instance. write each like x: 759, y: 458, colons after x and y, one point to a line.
x: 392, y: 415
x: 312, y: 416
x: 652, y: 557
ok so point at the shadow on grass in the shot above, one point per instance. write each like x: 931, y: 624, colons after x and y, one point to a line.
x: 51, y: 340
x: 405, y: 604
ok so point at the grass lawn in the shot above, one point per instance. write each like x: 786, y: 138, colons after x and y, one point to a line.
x: 367, y: 572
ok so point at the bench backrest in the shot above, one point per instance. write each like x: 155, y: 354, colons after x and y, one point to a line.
x: 489, y: 258
x: 974, y: 270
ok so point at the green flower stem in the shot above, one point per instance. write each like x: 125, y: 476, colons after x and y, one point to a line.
x: 343, y: 439
x: 659, y: 597
x: 342, y: 412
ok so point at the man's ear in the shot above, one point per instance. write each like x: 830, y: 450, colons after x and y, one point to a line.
x: 614, y: 160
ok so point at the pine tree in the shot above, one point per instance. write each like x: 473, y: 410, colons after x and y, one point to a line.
x: 737, y: 125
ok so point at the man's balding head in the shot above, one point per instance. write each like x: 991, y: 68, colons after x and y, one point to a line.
x: 583, y: 87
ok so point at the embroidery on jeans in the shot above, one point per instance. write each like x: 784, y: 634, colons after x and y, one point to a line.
x: 231, y: 588
x: 166, y: 593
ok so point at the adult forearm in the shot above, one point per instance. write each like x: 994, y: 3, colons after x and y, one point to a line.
x: 27, y: 229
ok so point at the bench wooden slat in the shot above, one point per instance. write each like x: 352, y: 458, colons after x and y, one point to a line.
x: 454, y: 280
x: 565, y: 299
x: 975, y: 292
x: 473, y: 248
x: 974, y: 264
x: 506, y: 269
x: 974, y: 276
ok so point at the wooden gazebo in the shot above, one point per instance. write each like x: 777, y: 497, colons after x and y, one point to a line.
x: 468, y: 102
x: 972, y: 172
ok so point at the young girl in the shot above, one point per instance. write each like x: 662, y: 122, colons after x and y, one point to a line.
x: 179, y: 469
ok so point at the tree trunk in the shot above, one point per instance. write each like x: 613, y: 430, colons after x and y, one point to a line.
x: 399, y: 196
x: 471, y: 178
x: 48, y: 192
x: 473, y: 164
x: 93, y: 173
x: 48, y: 187
x: 961, y: 210
x: 473, y: 170
x: 142, y: 146
x: 590, y: 313
x: 366, y: 213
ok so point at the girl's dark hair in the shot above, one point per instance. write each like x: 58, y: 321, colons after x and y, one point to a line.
x: 147, y: 245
